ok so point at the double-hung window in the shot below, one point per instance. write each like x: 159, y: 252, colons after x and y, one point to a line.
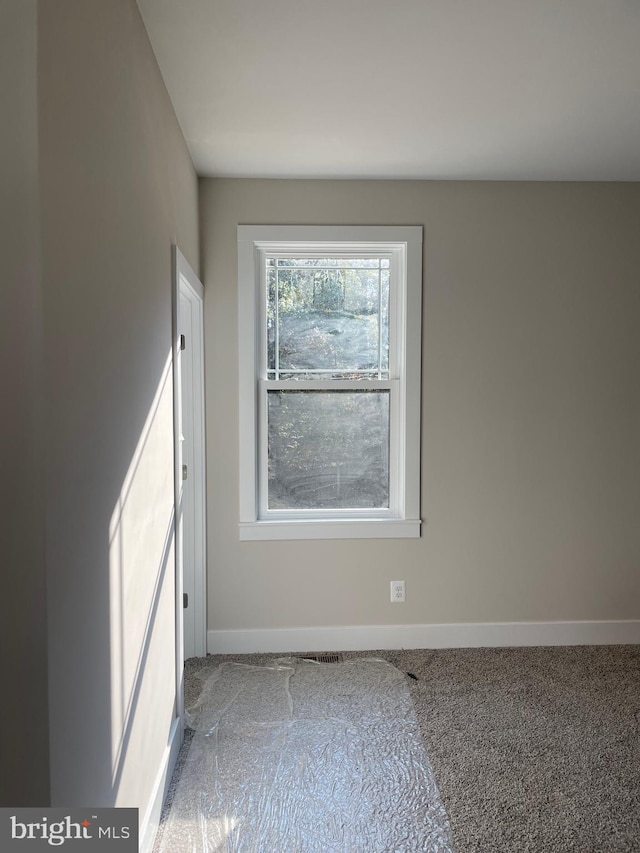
x: 329, y: 333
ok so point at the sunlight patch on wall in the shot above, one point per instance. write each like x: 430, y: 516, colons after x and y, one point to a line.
x: 142, y: 591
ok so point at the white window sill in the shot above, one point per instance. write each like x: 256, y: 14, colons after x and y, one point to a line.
x: 251, y: 531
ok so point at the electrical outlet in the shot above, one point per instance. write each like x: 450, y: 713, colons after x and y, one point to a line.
x: 397, y: 591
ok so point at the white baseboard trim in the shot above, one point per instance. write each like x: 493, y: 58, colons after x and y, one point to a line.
x: 451, y: 636
x: 151, y: 820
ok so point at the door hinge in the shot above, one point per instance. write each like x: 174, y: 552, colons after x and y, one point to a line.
x: 184, y: 472
x: 183, y: 342
x: 185, y: 600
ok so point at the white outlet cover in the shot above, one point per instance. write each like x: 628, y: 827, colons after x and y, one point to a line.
x: 397, y: 592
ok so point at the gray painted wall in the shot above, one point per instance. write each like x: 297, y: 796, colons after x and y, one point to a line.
x: 531, y: 411
x: 117, y: 189
x: 24, y: 766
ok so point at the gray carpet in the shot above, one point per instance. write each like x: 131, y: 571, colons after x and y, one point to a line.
x: 534, y: 750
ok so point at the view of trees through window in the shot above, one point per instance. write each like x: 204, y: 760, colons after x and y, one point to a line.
x: 328, y: 315
x: 328, y: 320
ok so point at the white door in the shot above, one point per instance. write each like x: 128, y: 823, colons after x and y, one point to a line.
x: 190, y: 461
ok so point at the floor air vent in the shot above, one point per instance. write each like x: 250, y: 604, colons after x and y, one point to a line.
x: 324, y: 658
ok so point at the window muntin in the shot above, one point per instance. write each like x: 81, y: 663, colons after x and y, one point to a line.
x: 334, y: 369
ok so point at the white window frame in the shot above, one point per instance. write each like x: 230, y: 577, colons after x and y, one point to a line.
x: 404, y: 245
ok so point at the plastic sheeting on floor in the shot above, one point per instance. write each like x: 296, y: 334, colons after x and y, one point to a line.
x: 302, y: 757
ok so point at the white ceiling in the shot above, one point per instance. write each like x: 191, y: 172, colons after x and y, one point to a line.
x: 451, y: 89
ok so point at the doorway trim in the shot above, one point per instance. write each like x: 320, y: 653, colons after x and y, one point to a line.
x: 189, y: 411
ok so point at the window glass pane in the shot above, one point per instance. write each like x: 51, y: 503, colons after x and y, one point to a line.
x: 355, y: 263
x: 271, y: 318
x: 328, y: 374
x: 328, y: 449
x: 384, y: 323
x: 329, y: 318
